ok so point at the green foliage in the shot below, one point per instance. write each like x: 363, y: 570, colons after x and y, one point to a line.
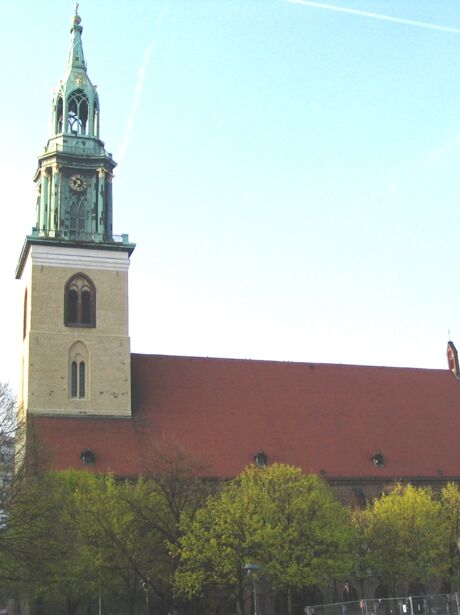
x: 450, y: 501
x: 73, y: 537
x: 44, y: 545
x: 306, y: 531
x: 127, y: 525
x: 359, y: 547
x: 284, y: 521
x: 406, y: 538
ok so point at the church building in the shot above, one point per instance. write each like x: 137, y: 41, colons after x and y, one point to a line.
x: 90, y: 403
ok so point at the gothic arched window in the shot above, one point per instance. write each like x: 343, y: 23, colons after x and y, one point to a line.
x: 24, y: 326
x: 77, y: 217
x: 77, y: 117
x: 59, y: 115
x: 78, y: 371
x: 80, y: 302
x: 96, y: 117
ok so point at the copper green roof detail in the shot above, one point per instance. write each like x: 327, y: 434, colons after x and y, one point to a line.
x: 76, y: 55
x: 74, y: 175
x: 76, y: 103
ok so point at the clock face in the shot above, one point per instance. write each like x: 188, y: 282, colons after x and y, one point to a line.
x: 78, y: 182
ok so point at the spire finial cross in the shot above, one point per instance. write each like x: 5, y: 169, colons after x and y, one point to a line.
x: 77, y: 4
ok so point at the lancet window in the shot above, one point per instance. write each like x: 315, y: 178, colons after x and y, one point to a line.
x: 77, y: 217
x: 24, y: 325
x: 78, y: 113
x: 59, y: 115
x: 78, y: 371
x: 80, y: 302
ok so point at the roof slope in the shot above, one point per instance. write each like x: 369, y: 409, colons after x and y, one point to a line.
x: 320, y: 417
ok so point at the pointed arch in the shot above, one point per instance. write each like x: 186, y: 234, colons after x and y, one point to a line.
x: 78, y: 371
x: 77, y: 217
x: 96, y: 116
x: 59, y: 110
x: 77, y: 114
x: 80, y: 301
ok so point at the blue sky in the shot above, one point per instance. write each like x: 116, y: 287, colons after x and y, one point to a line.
x: 288, y: 170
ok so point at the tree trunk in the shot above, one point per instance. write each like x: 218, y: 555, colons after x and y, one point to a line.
x: 241, y: 603
x: 132, y: 597
x: 72, y: 606
x: 37, y: 606
x: 289, y: 602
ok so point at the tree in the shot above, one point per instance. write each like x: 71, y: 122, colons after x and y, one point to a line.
x: 359, y: 548
x: 9, y: 426
x: 45, y: 552
x: 406, y: 536
x: 7, y: 410
x: 135, y: 525
x: 308, y: 537
x: 128, y: 553
x: 73, y: 537
x: 286, y: 522
x: 450, y: 501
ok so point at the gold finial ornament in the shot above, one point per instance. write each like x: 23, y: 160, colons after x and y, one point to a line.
x: 76, y: 17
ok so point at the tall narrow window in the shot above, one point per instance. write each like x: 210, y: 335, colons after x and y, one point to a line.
x: 73, y: 305
x: 74, y: 380
x: 86, y: 306
x: 80, y: 302
x: 77, y: 217
x: 24, y: 326
x: 96, y: 117
x: 78, y: 371
x: 59, y: 115
x: 81, y: 379
x: 77, y: 118
x: 78, y: 379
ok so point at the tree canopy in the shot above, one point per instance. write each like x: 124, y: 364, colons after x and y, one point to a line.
x: 190, y: 545
x: 283, y: 521
x: 406, y: 538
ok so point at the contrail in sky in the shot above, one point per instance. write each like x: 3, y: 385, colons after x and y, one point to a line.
x: 340, y: 9
x: 423, y: 164
x: 139, y: 87
x: 135, y: 103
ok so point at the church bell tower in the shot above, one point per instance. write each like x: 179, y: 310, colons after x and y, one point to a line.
x: 76, y: 351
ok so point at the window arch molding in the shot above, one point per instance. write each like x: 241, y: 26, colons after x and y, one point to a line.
x: 59, y: 114
x: 80, y: 301
x: 78, y: 371
x: 77, y: 115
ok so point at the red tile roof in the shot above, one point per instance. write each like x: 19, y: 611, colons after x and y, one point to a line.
x: 321, y: 417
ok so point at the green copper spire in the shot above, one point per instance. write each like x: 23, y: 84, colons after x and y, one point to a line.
x: 74, y: 175
x: 76, y: 56
x: 76, y: 103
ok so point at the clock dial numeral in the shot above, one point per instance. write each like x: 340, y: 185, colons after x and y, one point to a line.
x: 78, y: 182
